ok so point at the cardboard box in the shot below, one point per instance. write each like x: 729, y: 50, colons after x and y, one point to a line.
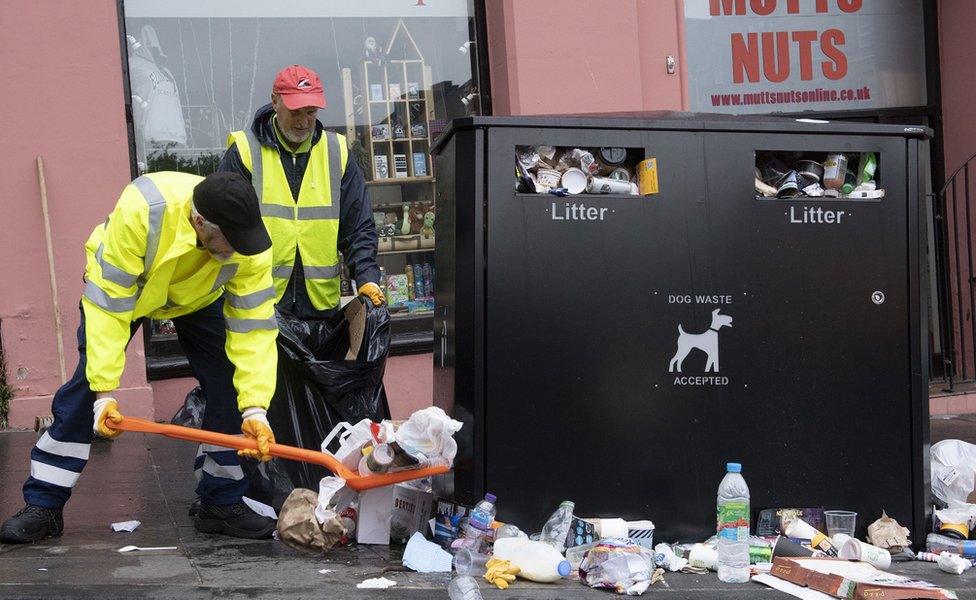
x: 375, y: 507
x: 411, y: 512
x: 393, y: 512
x: 854, y: 580
x: 642, y: 532
x: 580, y: 532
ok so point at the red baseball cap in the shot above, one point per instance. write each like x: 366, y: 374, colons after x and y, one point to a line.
x: 299, y: 87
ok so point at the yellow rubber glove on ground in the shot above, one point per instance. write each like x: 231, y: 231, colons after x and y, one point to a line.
x: 373, y: 292
x: 500, y: 572
x: 256, y: 427
x: 106, y: 409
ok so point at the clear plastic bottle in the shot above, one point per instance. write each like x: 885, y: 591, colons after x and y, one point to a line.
x: 557, y: 527
x: 733, y: 526
x: 464, y: 587
x: 479, y: 523
x: 940, y: 543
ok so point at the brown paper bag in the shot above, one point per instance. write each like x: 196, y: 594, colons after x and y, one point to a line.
x: 298, y: 527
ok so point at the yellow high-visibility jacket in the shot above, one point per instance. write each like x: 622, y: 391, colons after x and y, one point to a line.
x: 310, y: 225
x: 144, y: 262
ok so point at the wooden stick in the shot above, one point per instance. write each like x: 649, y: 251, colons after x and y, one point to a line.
x: 50, y: 268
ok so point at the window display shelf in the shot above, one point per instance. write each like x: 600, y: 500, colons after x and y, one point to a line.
x: 397, y: 181
x: 389, y: 252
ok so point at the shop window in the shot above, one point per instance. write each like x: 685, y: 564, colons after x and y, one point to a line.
x: 563, y: 170
x: 394, y: 73
x: 842, y: 175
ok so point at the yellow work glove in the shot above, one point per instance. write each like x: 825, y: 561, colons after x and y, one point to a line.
x: 500, y: 572
x: 373, y: 292
x: 106, y: 409
x: 256, y: 427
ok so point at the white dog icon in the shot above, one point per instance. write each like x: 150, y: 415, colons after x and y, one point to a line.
x: 706, y: 342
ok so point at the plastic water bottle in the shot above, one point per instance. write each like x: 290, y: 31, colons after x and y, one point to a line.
x: 464, y: 587
x: 479, y: 523
x: 557, y: 527
x: 733, y: 526
x: 941, y: 543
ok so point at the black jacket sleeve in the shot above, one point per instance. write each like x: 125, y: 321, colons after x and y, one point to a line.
x: 357, y: 230
x: 231, y: 162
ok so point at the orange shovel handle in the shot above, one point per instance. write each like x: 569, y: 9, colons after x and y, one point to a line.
x: 201, y: 436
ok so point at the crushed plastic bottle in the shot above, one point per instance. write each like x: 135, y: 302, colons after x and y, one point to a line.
x: 557, y: 527
x: 478, y: 528
x: 464, y: 587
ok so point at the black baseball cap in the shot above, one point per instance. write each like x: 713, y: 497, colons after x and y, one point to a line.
x: 228, y: 201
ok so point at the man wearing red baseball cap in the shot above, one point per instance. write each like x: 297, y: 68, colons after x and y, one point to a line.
x: 313, y: 198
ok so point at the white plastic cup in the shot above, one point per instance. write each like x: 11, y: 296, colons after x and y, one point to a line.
x: 470, y: 562
x: 840, y: 521
x: 873, y: 555
x: 574, y: 180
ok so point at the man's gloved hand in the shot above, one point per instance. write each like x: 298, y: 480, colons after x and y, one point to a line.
x: 256, y: 427
x: 373, y: 292
x: 106, y: 409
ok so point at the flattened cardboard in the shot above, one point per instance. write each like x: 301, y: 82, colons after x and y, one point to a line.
x: 839, y: 586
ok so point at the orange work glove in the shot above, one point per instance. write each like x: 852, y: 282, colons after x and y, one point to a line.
x: 106, y: 412
x: 256, y: 427
x: 373, y: 292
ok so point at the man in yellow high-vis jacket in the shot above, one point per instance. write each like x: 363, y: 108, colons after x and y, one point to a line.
x: 196, y: 251
x: 313, y: 198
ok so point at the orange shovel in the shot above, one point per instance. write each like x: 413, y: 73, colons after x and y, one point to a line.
x: 353, y: 480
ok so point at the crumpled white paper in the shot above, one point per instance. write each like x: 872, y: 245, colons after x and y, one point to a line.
x: 426, y: 557
x: 126, y: 525
x: 377, y: 583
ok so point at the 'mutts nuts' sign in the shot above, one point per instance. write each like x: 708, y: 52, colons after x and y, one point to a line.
x: 756, y: 56
x: 768, y: 54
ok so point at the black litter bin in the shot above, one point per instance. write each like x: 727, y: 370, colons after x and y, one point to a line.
x: 617, y: 350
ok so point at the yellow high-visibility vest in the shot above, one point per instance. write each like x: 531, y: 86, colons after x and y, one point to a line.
x: 311, y: 225
x: 144, y: 261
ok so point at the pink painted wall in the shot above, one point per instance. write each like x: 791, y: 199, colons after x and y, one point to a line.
x: 63, y: 101
x: 956, y: 48
x: 580, y: 56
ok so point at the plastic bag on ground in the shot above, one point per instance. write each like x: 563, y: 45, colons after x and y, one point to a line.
x: 954, y: 472
x: 299, y: 528
x: 619, y: 565
x: 427, y: 436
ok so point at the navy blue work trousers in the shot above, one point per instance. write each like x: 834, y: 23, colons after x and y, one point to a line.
x: 62, y: 452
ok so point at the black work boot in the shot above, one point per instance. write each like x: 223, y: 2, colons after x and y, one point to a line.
x: 236, y: 520
x: 194, y: 508
x: 32, y: 524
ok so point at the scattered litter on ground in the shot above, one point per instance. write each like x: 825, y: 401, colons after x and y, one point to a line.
x: 377, y: 583
x: 425, y: 557
x: 259, y: 507
x: 126, y: 526
x: 140, y: 549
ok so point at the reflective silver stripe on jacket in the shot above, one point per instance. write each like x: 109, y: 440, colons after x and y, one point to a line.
x: 101, y: 299
x: 113, y: 273
x: 246, y: 325
x: 157, y: 206
x: 226, y: 272
x: 257, y: 168
x: 327, y: 272
x: 304, y: 212
x: 252, y: 300
x: 335, y: 170
x: 282, y: 271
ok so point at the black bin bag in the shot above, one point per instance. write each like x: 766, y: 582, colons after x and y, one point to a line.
x: 329, y: 371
